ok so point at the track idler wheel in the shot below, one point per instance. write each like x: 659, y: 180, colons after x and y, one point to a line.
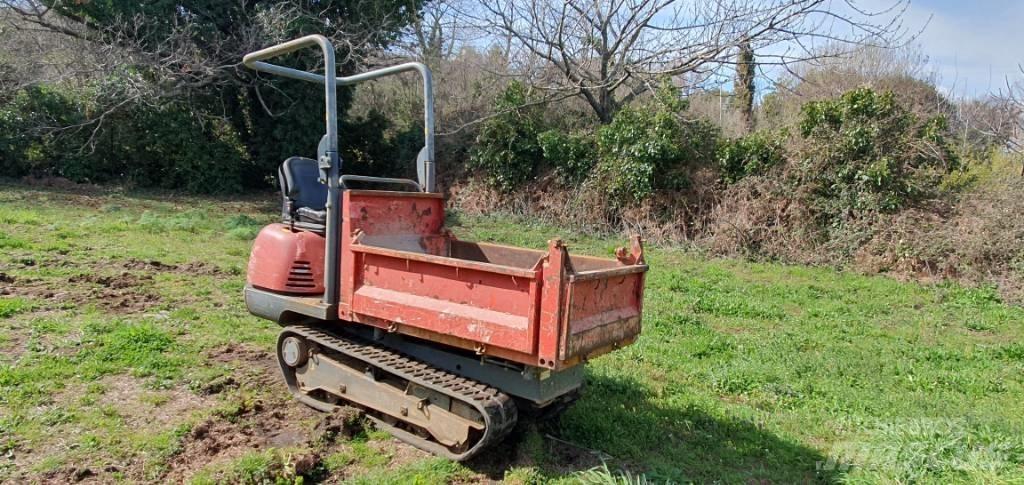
x: 294, y: 352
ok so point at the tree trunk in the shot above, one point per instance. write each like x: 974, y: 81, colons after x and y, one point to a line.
x: 743, y: 87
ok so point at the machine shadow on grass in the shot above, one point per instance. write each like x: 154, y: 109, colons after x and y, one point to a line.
x: 619, y: 423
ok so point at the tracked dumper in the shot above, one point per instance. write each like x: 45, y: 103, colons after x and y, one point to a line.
x: 443, y: 343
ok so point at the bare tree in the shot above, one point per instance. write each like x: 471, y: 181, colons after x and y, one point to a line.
x: 996, y: 121
x: 1012, y: 104
x: 436, y: 33
x: 610, y: 51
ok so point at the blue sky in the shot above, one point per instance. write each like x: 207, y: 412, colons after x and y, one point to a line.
x: 972, y: 45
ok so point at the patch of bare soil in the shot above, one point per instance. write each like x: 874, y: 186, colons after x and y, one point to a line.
x: 118, y: 293
x: 258, y: 366
x: 221, y: 438
x: 193, y: 268
x: 141, y: 410
x: 124, y: 291
x: 14, y: 344
x: 269, y: 422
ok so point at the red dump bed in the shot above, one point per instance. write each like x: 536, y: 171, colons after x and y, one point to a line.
x: 402, y: 271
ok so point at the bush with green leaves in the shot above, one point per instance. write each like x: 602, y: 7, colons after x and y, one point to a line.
x: 168, y: 147
x: 26, y: 145
x: 12, y: 142
x: 863, y: 152
x: 48, y: 133
x: 572, y: 156
x: 507, y: 150
x: 753, y: 154
x: 53, y: 131
x: 650, y: 147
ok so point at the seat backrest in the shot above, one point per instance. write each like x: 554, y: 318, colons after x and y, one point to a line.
x: 300, y: 185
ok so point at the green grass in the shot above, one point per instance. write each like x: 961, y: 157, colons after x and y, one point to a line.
x: 745, y: 372
x: 764, y: 371
x: 424, y: 472
x: 10, y: 306
x: 255, y: 467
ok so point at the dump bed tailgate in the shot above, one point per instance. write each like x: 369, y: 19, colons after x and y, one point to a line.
x: 602, y: 309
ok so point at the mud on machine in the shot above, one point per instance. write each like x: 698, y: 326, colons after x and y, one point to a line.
x: 443, y: 343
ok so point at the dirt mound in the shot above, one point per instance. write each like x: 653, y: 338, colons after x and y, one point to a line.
x: 79, y: 474
x: 219, y: 439
x: 261, y: 424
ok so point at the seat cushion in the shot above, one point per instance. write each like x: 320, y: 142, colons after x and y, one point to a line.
x: 305, y: 214
x: 305, y: 198
x: 300, y: 183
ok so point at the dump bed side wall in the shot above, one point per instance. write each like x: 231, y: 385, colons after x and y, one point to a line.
x: 407, y: 218
x: 493, y: 309
x: 452, y: 298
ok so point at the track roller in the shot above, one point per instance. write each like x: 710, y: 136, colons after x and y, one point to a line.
x: 429, y: 408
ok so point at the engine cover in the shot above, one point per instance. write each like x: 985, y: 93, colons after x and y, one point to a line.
x: 287, y: 261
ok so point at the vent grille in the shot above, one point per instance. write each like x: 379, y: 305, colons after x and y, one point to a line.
x: 301, y: 276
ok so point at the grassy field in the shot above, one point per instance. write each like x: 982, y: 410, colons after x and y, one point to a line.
x: 127, y: 354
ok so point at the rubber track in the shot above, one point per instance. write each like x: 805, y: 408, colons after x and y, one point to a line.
x: 497, y: 408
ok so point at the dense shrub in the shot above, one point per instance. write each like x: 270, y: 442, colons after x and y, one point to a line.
x: 47, y: 135
x: 753, y: 154
x: 13, y: 141
x: 53, y: 131
x: 25, y: 146
x: 572, y: 156
x: 640, y: 152
x: 368, y: 146
x: 168, y: 147
x: 507, y: 150
x: 650, y: 147
x: 863, y: 152
x: 646, y: 148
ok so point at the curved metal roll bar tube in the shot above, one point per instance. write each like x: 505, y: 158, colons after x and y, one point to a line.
x: 330, y: 163
x: 427, y: 168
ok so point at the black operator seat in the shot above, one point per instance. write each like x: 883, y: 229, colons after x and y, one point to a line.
x: 305, y: 198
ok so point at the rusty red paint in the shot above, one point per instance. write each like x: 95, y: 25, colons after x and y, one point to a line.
x: 402, y: 271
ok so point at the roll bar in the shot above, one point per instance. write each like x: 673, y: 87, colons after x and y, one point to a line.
x: 426, y: 169
x: 329, y: 160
